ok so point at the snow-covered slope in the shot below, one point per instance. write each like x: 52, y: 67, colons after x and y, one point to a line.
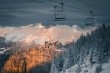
x: 73, y: 69
x: 106, y: 68
x: 89, y: 54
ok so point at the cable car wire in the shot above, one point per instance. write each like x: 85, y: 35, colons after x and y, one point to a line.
x: 64, y: 8
x: 94, y: 5
x: 82, y: 11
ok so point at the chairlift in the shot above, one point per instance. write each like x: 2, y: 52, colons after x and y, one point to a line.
x: 90, y: 21
x: 59, y: 14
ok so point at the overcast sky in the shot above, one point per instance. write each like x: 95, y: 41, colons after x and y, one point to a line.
x: 25, y: 12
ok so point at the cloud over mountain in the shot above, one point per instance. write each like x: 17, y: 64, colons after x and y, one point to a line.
x: 39, y: 33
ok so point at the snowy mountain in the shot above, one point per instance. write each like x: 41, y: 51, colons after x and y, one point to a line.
x: 30, y: 58
x: 89, y: 54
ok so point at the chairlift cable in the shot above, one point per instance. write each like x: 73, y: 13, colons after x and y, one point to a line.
x: 73, y: 8
x: 94, y: 5
x: 63, y: 8
x: 77, y: 8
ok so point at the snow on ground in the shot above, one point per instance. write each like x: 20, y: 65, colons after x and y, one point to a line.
x: 88, y: 69
x: 106, y: 68
x: 73, y: 69
x: 3, y: 50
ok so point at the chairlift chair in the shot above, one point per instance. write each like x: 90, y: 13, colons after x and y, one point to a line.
x: 90, y: 21
x: 59, y: 14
